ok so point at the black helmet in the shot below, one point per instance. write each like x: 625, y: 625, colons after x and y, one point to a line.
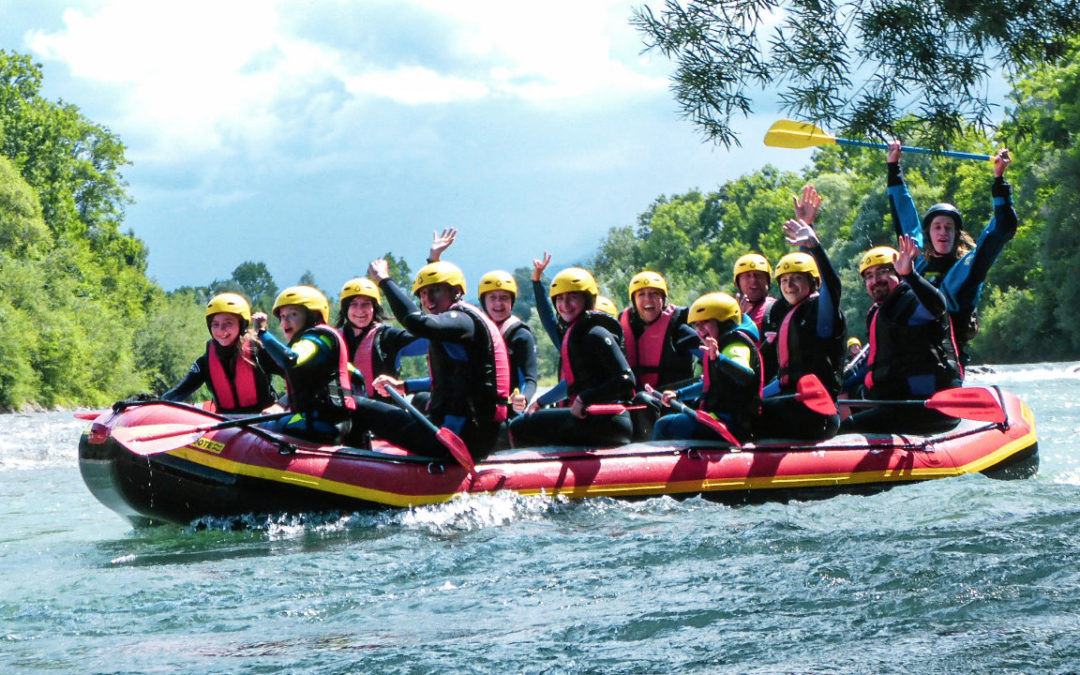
x: 944, y: 209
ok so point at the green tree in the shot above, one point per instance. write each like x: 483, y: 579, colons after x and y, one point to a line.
x: 856, y: 65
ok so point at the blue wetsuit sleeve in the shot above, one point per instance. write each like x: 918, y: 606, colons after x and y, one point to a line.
x: 418, y: 384
x: 963, y: 283
x: 282, y: 355
x: 553, y: 395
x: 905, y: 216
x: 691, y: 392
x: 829, y: 318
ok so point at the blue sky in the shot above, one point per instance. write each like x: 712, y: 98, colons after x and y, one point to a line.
x: 318, y: 135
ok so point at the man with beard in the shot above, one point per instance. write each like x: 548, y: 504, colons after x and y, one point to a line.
x: 912, y: 352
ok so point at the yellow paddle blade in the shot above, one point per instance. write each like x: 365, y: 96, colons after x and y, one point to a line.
x: 792, y: 134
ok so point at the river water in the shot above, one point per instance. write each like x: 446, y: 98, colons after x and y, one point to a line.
x: 958, y: 575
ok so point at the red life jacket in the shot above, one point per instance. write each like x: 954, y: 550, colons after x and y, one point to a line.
x: 508, y: 326
x: 783, y: 351
x: 497, y: 379
x: 239, y: 391
x: 644, y: 355
x: 361, y: 358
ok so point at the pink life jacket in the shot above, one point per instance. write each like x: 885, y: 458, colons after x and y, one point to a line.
x: 644, y: 355
x: 868, y: 381
x: 497, y: 381
x: 361, y: 358
x: 238, y: 391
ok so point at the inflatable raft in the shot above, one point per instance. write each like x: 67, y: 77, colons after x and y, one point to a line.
x: 128, y: 465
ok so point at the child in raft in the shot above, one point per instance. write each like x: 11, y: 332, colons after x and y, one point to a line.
x: 730, y: 388
x: 234, y: 367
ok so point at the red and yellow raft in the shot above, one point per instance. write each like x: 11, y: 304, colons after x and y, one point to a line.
x: 243, y: 470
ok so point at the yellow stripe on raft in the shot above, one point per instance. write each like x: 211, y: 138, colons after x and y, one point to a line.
x: 624, y: 489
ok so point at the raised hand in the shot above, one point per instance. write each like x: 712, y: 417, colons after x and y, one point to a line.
x: 378, y: 270
x: 258, y: 321
x: 908, y: 252
x: 894, y: 151
x: 441, y: 242
x: 1002, y: 160
x: 799, y: 233
x: 539, y: 266
x: 806, y: 208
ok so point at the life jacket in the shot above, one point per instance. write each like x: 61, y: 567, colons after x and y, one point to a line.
x: 799, y: 349
x: 363, y: 357
x: 899, y: 352
x: 965, y: 320
x: 578, y: 373
x: 488, y: 370
x: 320, y: 390
x: 760, y: 311
x: 239, y: 391
x: 647, y: 353
x: 769, y: 332
x: 509, y: 328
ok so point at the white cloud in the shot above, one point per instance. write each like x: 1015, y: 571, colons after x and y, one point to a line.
x: 206, y: 77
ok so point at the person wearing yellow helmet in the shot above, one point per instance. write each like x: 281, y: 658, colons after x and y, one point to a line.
x: 374, y: 347
x: 607, y: 306
x: 752, y: 278
x: 498, y: 292
x: 730, y: 386
x: 911, y: 353
x: 810, y: 337
x: 470, y: 371
x: 951, y: 261
x: 234, y: 367
x: 591, y: 364
x: 315, y: 363
x: 660, y: 347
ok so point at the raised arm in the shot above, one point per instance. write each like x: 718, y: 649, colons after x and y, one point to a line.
x: 440, y: 242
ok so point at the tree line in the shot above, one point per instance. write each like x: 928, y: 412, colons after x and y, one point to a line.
x: 85, y: 326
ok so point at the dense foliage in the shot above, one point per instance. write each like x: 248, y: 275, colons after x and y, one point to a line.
x: 84, y: 326
x: 855, y: 65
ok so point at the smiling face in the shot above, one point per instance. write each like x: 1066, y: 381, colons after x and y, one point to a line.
x: 707, y: 328
x: 942, y: 233
x: 225, y: 328
x: 753, y: 285
x: 293, y: 318
x: 880, y: 280
x: 570, y: 305
x: 795, y: 286
x: 361, y: 311
x: 498, y: 305
x: 649, y: 303
x: 436, y: 298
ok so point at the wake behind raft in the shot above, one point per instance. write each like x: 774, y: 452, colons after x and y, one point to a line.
x: 243, y: 469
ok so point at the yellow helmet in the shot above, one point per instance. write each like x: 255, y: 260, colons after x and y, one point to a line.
x: 853, y: 342
x: 230, y: 303
x: 798, y: 262
x: 439, y: 272
x: 751, y: 262
x: 361, y: 286
x: 574, y: 279
x: 879, y: 255
x: 648, y: 279
x: 305, y: 296
x: 605, y: 304
x: 719, y: 306
x: 498, y: 280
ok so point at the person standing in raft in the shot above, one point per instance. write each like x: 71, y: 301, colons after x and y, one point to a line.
x: 730, y: 388
x: 911, y: 352
x: 470, y: 371
x: 810, y: 339
x: 234, y: 368
x: 952, y: 261
x: 498, y: 293
x: 315, y: 363
x: 375, y: 348
x: 593, y: 366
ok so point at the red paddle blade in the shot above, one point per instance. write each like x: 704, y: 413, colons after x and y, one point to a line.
x: 457, y: 448
x: 717, y: 426
x: 91, y: 416
x: 812, y: 393
x: 606, y: 409
x: 168, y: 437
x: 970, y: 403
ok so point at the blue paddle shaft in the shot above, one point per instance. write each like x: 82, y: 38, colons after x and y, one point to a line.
x: 925, y: 151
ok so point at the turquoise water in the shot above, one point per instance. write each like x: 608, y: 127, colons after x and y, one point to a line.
x: 959, y: 575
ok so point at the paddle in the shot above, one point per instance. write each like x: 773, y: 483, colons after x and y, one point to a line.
x: 611, y: 408
x: 448, y: 438
x: 969, y: 403
x: 179, y: 435
x: 700, y: 415
x: 792, y: 134
x: 812, y: 393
